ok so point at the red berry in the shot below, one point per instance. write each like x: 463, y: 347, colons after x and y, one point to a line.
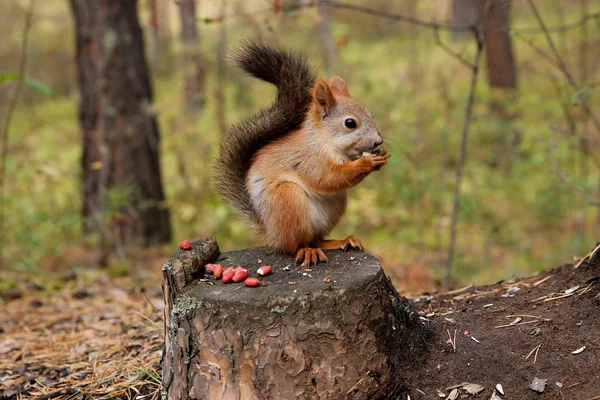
x: 252, y: 282
x: 210, y: 267
x: 185, y: 245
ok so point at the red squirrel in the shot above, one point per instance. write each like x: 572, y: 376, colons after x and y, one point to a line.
x: 287, y: 169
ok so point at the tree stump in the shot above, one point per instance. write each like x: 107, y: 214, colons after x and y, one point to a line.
x: 338, y: 330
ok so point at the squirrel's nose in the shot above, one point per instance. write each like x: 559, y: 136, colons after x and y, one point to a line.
x: 377, y: 143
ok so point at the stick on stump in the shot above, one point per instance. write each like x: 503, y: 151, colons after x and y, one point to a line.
x: 301, y: 337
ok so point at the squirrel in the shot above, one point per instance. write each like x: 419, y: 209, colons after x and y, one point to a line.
x: 287, y: 169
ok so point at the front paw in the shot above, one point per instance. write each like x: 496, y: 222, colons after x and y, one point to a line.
x: 377, y: 160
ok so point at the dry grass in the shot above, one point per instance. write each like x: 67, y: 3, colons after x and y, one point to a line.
x: 97, y: 341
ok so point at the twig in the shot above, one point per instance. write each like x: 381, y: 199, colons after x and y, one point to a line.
x: 353, y: 388
x: 519, y: 324
x: 9, y: 115
x: 527, y: 316
x: 533, y: 350
x: 480, y: 36
x: 563, y: 66
x: 564, y: 179
x: 452, y: 342
x: 450, y: 51
x: 589, y: 256
x: 411, y: 20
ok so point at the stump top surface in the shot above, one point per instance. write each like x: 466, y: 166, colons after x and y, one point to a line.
x: 350, y: 270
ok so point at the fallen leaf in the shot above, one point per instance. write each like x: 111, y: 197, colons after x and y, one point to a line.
x: 327, y: 279
x: 473, y: 388
x: 453, y: 395
x: 538, y: 385
x: 495, y: 396
x: 500, y: 389
x: 516, y: 321
x: 8, y: 345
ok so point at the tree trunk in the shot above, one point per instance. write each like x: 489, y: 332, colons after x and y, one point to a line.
x: 154, y: 33
x: 221, y: 72
x: 501, y: 68
x: 498, y: 45
x: 327, y: 41
x: 337, y: 331
x: 123, y: 195
x: 193, y: 80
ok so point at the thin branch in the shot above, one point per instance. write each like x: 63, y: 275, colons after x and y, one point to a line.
x: 450, y: 51
x: 564, y: 179
x: 12, y: 105
x: 480, y: 36
x: 537, y: 49
x: 563, y: 66
x: 412, y: 20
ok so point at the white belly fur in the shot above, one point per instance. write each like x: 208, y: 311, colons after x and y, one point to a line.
x: 320, y: 210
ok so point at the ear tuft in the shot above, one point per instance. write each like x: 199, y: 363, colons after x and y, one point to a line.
x: 323, y: 96
x: 338, y: 86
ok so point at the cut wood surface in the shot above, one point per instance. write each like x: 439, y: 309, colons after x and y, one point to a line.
x: 337, y: 330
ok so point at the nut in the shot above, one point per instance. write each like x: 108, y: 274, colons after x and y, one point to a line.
x: 210, y: 267
x: 228, y: 275
x: 252, y: 282
x: 264, y: 270
x: 240, y: 276
x: 185, y: 245
x: 218, y: 271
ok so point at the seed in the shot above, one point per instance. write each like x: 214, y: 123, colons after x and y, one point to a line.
x: 210, y: 267
x: 264, y: 270
x: 240, y: 276
x: 185, y: 245
x: 218, y: 271
x: 228, y: 275
x: 252, y: 282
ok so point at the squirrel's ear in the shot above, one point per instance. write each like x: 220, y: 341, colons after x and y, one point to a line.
x: 323, y: 97
x: 338, y: 86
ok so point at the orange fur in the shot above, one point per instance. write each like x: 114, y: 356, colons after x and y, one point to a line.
x: 298, y: 182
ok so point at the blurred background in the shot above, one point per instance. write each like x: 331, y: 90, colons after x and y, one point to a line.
x: 85, y: 96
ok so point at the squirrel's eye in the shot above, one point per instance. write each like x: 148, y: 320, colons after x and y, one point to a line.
x: 350, y: 123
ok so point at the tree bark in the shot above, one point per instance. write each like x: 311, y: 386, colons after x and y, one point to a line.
x: 337, y: 331
x: 221, y: 72
x: 193, y: 80
x: 123, y: 198
x: 327, y: 41
x: 502, y: 72
x: 154, y: 33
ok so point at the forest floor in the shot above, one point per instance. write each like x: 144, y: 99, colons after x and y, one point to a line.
x: 95, y: 336
x: 514, y: 333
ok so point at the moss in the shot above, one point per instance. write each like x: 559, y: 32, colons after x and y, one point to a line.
x: 185, y: 304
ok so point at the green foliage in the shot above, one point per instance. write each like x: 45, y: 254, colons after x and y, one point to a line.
x: 516, y: 216
x: 34, y: 83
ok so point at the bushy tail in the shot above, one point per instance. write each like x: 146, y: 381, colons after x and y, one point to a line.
x: 294, y: 78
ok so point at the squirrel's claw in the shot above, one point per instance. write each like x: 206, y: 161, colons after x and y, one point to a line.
x: 309, y: 255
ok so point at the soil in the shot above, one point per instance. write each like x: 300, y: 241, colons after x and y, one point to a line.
x: 92, y: 338
x: 553, y: 320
